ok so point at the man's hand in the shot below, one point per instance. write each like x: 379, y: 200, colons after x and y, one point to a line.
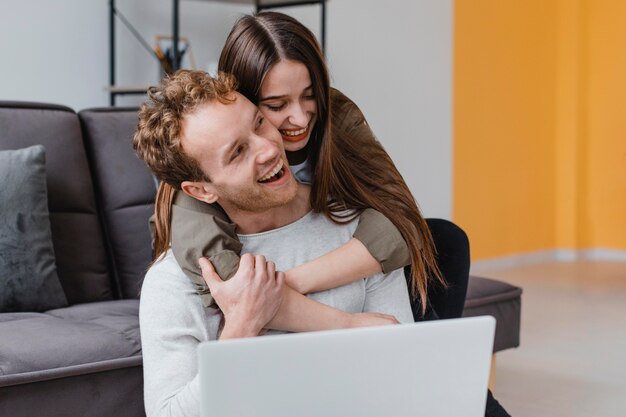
x: 250, y: 299
x: 372, y: 319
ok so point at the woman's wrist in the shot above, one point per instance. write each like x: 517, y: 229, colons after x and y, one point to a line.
x: 294, y: 281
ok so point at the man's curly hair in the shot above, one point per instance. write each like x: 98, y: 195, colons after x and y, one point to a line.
x: 157, y: 139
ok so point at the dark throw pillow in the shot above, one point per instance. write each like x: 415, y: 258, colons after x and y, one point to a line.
x: 28, y: 275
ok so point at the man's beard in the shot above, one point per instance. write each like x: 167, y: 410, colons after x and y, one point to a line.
x: 256, y: 199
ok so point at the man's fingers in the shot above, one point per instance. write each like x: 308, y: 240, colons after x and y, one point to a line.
x: 247, y: 261
x: 208, y: 273
x: 271, y: 270
x: 280, y: 279
x: 259, y: 261
x: 260, y: 266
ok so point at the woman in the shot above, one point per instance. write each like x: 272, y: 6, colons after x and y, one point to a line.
x: 279, y: 66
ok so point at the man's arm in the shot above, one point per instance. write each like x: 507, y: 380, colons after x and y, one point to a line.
x: 173, y: 322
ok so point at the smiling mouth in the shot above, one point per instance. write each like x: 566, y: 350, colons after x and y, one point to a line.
x: 295, y: 135
x: 275, y: 174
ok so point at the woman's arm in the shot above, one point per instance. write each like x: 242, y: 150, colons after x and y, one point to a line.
x: 382, y: 240
x: 203, y: 230
x: 377, y: 246
x: 296, y: 313
x: 346, y: 264
x: 379, y: 235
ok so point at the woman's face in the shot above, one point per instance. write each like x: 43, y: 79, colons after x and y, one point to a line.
x: 288, y: 102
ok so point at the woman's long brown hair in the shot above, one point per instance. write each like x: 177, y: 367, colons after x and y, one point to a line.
x: 163, y: 219
x: 355, y: 175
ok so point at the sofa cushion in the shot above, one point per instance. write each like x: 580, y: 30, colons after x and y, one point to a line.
x: 125, y: 192
x: 28, y: 275
x: 105, y: 389
x: 79, y: 246
x: 500, y: 300
x: 76, y: 335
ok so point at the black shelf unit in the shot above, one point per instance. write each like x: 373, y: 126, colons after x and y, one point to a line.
x: 259, y: 5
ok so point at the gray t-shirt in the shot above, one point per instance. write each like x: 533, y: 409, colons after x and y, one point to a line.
x: 303, y: 172
x: 174, y: 321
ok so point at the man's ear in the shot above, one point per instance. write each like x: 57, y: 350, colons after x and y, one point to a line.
x: 202, y: 191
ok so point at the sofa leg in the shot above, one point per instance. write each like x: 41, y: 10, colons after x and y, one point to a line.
x: 492, y: 373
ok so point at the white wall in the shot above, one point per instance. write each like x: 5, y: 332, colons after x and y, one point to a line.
x: 57, y: 50
x: 393, y: 58
x: 50, y: 51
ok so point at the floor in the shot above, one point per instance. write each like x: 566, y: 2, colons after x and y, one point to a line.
x: 572, y: 357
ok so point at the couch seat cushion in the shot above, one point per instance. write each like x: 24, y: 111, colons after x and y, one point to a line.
x: 76, y: 335
x: 500, y: 300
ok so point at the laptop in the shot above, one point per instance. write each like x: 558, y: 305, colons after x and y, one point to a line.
x: 435, y: 369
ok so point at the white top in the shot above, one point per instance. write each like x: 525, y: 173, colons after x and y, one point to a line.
x: 303, y: 172
x: 174, y: 321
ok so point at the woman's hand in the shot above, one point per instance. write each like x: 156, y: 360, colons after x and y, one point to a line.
x: 372, y: 319
x: 250, y: 299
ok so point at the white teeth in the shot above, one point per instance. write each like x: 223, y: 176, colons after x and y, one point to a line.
x: 293, y: 132
x: 275, y: 171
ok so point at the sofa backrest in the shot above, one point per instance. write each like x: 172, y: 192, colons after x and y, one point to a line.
x: 79, y: 244
x: 125, y: 192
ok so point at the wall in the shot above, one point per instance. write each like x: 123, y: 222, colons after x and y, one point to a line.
x: 54, y: 51
x: 396, y: 63
x: 536, y: 112
x: 57, y: 50
x: 504, y: 96
x: 539, y: 148
x: 606, y: 124
x: 394, y: 59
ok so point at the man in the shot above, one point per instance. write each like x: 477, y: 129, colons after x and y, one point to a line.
x: 203, y: 138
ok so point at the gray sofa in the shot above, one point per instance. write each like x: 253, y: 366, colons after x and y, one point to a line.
x: 85, y: 359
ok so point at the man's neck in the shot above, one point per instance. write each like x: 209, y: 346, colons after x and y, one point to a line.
x: 249, y: 222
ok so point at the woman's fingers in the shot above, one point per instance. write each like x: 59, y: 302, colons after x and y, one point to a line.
x: 391, y: 318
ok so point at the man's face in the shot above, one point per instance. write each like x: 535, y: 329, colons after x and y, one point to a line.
x: 241, y: 153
